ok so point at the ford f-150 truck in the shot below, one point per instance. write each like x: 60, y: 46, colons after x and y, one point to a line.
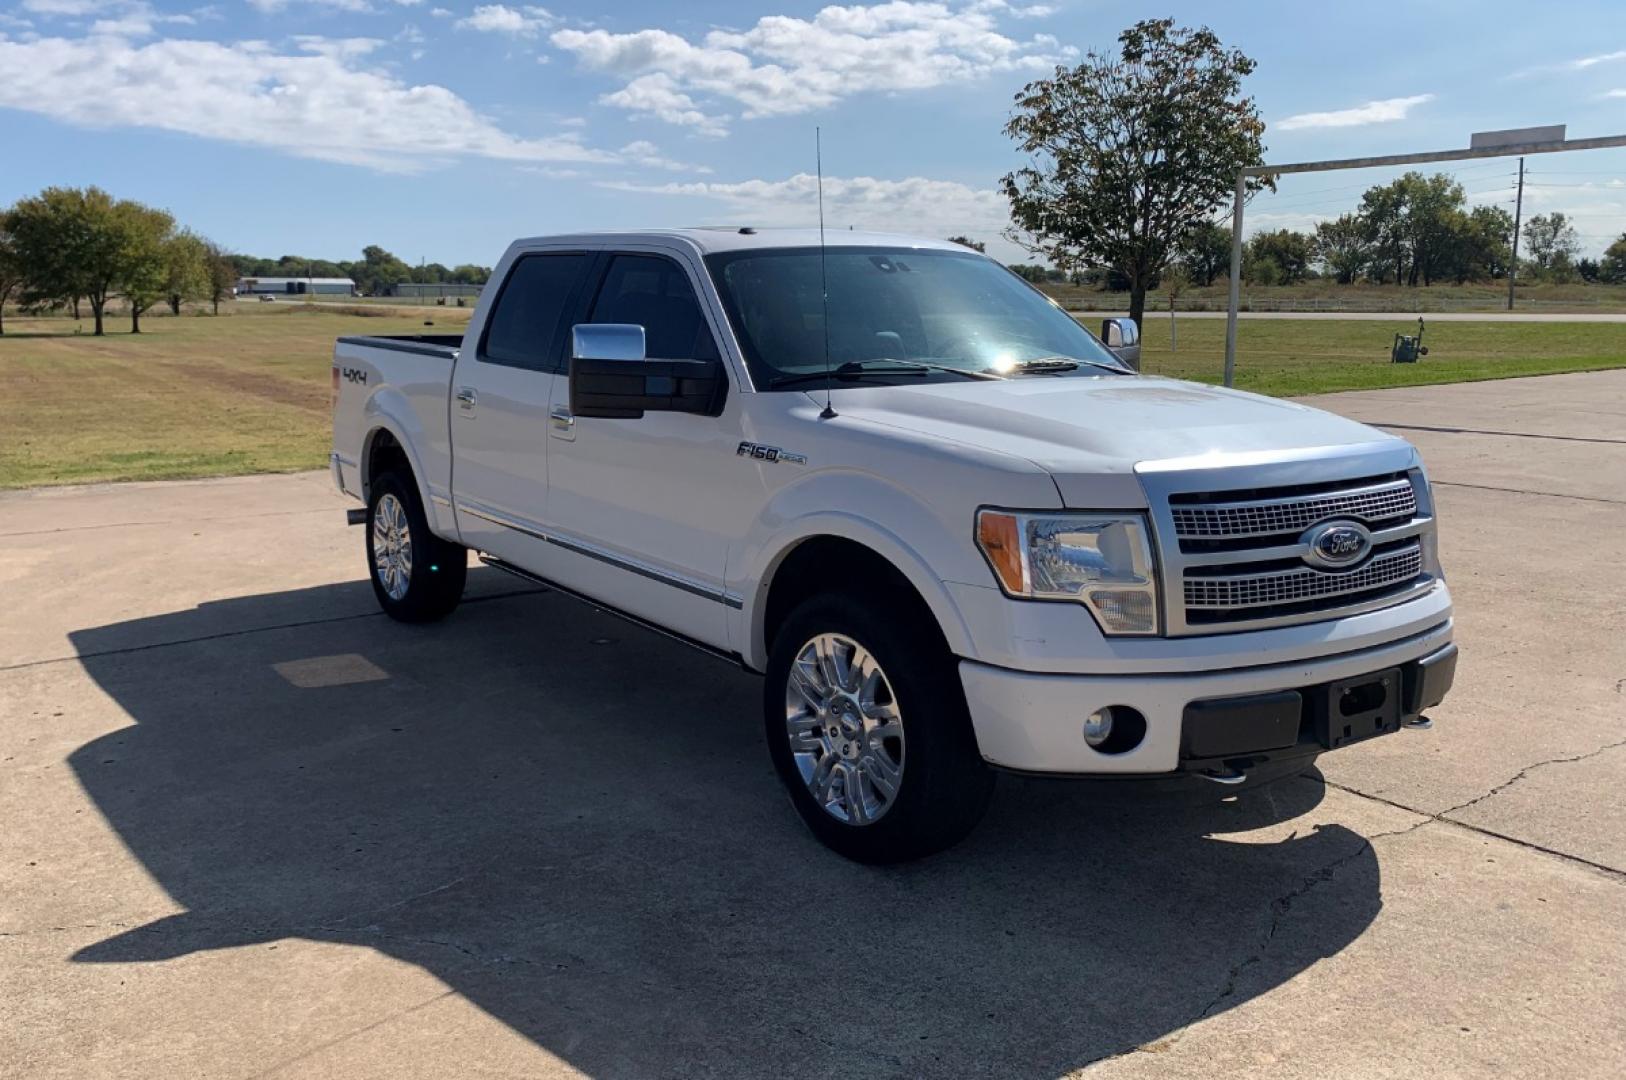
x: 951, y: 528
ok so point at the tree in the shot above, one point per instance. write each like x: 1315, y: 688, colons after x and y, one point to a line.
x: 1278, y: 258
x: 186, y: 269
x: 966, y: 241
x: 1342, y: 247
x: 71, y: 242
x: 1028, y: 272
x: 377, y: 269
x: 141, y: 259
x: 220, y: 273
x: 1484, y: 244
x: 1205, y: 251
x: 11, y: 266
x: 1130, y: 153
x: 1613, y: 267
x: 469, y: 274
x: 1551, y: 241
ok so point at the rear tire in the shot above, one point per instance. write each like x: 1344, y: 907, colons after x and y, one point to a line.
x: 417, y: 577
x: 868, y: 729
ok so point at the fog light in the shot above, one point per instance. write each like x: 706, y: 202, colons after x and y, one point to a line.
x: 1098, y: 726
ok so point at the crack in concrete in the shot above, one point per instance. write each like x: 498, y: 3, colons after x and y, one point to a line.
x: 1283, y: 905
x: 1526, y: 771
x: 1526, y: 491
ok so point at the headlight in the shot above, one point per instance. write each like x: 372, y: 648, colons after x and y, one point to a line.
x: 1101, y: 560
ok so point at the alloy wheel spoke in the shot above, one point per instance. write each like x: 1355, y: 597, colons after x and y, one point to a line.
x: 852, y: 787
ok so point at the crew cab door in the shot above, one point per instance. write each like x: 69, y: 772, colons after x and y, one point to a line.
x: 642, y: 508
x: 501, y: 390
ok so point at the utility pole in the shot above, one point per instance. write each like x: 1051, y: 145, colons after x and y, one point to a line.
x: 1518, y: 210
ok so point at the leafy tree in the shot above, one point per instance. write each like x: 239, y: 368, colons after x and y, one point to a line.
x: 1613, y: 267
x: 186, y: 269
x: 1343, y: 248
x: 1278, y: 258
x: 377, y: 269
x: 469, y: 274
x: 1205, y: 251
x: 72, y: 243
x: 966, y: 241
x: 1027, y: 272
x: 11, y: 266
x: 1552, y: 244
x: 1588, y: 269
x: 1129, y: 153
x: 141, y: 262
x: 220, y: 273
x: 1483, y: 244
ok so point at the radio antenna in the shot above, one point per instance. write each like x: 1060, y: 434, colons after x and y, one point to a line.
x: 824, y: 277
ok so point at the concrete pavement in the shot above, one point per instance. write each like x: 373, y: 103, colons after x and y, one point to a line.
x: 252, y: 828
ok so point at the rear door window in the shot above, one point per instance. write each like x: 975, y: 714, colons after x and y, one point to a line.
x: 525, y: 324
x: 654, y: 292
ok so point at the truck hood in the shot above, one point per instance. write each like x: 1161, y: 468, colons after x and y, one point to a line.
x: 1083, y: 426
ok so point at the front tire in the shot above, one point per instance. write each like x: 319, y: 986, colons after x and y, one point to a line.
x: 417, y: 577
x: 868, y: 729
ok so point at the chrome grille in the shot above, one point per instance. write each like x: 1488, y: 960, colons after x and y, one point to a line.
x: 1293, y: 586
x: 1266, y: 517
x: 1233, y: 551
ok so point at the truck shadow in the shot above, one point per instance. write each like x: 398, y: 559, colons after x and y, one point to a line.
x: 573, y: 824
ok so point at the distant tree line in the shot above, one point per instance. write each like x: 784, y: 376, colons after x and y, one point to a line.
x: 70, y: 246
x: 375, y: 270
x: 1415, y: 230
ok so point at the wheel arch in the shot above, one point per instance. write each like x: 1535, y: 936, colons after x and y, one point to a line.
x: 803, y: 564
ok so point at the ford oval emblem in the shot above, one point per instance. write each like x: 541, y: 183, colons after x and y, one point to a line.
x: 1336, y: 544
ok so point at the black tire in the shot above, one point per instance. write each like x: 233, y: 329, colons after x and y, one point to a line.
x: 944, y: 786
x: 438, y: 568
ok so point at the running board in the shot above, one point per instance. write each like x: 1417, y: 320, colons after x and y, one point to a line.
x: 682, y: 639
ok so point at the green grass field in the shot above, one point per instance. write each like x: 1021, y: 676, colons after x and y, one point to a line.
x: 248, y: 391
x: 190, y: 396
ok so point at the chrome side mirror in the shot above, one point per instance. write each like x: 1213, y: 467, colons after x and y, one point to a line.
x: 607, y: 341
x: 1122, y: 336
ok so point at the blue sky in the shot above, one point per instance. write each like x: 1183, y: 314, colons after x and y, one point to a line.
x: 444, y: 128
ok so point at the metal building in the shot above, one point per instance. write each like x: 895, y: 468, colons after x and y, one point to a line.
x: 296, y: 286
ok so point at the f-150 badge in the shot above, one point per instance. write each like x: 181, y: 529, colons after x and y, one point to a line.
x: 769, y: 453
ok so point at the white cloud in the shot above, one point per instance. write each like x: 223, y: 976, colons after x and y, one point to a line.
x: 1616, y: 94
x: 913, y: 205
x: 315, y: 103
x: 1593, y: 61
x: 440, y: 13
x: 274, y: 7
x: 64, y: 7
x: 525, y: 22
x: 1373, y: 112
x: 647, y: 154
x: 784, y: 65
x: 122, y: 18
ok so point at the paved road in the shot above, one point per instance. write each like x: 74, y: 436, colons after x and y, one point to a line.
x: 251, y: 828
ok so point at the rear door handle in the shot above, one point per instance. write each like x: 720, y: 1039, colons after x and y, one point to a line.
x: 562, y: 422
x: 466, y: 398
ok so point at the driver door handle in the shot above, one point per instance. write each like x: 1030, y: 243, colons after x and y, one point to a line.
x: 561, y: 422
x: 466, y: 398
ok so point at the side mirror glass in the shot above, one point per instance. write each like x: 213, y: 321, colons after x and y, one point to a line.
x: 607, y: 341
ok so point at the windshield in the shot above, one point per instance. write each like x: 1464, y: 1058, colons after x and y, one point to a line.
x: 953, y: 310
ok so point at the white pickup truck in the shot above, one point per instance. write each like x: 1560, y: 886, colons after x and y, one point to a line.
x: 952, y: 529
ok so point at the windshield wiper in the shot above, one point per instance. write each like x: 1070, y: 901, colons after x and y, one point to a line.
x: 854, y: 369
x: 1044, y: 365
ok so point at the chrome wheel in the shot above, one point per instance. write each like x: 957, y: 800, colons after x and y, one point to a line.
x: 846, y: 735
x: 392, y: 547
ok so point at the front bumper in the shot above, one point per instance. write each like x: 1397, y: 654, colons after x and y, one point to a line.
x: 1206, y: 722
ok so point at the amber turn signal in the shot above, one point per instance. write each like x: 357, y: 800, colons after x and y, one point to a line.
x: 1000, y: 541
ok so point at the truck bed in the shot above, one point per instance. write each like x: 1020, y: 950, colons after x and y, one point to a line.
x: 445, y: 345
